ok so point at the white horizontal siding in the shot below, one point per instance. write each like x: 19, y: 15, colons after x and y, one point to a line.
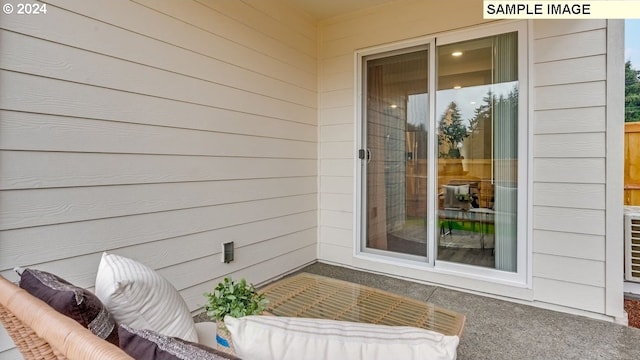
x: 569, y: 269
x: 337, y: 236
x: 569, y: 163
x: 24, y: 246
x: 208, y: 120
x: 199, y: 270
x: 589, y: 145
x: 243, y: 235
x: 337, y: 167
x: 82, y: 100
x: 567, y: 244
x: 337, y: 81
x: 337, y: 202
x: 64, y: 169
x: 159, y: 130
x: 261, y: 272
x: 552, y: 28
x: 69, y: 63
x: 337, y: 219
x: 37, y: 207
x: 164, y: 253
x: 337, y: 98
x: 573, y: 295
x: 278, y: 24
x: 337, y: 150
x: 569, y: 170
x: 336, y: 65
x: 335, y: 253
x: 155, y: 27
x: 22, y: 131
x: 580, y: 221
x: 262, y: 34
x: 583, y: 69
x: 336, y: 184
x: 569, y: 45
x: 573, y: 95
x: 335, y: 116
x: 566, y: 121
x: 581, y: 196
x: 336, y: 133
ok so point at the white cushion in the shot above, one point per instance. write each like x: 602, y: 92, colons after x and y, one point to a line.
x: 271, y: 337
x: 139, y: 297
x: 458, y: 189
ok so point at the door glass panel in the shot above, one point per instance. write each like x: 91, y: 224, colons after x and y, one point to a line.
x: 477, y: 121
x: 396, y: 137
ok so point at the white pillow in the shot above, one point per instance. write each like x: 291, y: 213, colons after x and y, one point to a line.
x: 282, y: 338
x: 458, y: 189
x: 139, y: 297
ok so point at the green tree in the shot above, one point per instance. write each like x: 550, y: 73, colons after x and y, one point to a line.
x: 482, y: 113
x: 631, y: 93
x: 451, y: 131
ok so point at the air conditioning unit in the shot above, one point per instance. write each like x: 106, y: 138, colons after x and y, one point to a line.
x: 632, y: 246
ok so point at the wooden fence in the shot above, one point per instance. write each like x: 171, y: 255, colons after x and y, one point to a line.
x: 632, y: 163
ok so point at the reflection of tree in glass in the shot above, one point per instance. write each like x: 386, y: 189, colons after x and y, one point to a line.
x: 631, y: 93
x: 451, y: 132
x: 484, y: 112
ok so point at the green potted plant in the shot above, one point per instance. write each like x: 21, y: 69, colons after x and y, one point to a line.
x: 236, y: 299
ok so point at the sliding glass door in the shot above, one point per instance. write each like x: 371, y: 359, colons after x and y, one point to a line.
x: 477, y: 109
x: 441, y: 142
x: 396, y: 155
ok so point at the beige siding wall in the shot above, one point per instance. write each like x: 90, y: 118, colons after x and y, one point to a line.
x: 569, y: 151
x: 568, y: 121
x: 158, y: 130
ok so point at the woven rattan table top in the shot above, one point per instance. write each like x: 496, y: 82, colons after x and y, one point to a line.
x: 313, y: 296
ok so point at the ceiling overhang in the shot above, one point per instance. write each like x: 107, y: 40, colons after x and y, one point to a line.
x: 326, y: 9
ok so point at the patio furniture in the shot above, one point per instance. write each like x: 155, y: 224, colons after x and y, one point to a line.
x: 485, y: 217
x: 294, y: 338
x: 456, y: 201
x: 40, y: 332
x: 313, y: 296
x: 457, y: 197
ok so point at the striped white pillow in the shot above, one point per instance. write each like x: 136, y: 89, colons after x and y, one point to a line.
x: 282, y: 338
x: 138, y: 296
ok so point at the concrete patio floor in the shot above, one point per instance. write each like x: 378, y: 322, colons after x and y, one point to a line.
x: 497, y: 329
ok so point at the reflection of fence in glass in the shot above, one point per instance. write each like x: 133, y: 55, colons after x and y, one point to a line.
x: 632, y: 164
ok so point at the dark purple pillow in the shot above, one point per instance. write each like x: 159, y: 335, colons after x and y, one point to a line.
x: 77, y: 303
x: 150, y: 345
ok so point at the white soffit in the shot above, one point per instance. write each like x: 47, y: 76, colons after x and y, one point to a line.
x: 325, y: 9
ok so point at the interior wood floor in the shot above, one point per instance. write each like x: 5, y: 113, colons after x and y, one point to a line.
x: 477, y: 257
x: 470, y: 256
